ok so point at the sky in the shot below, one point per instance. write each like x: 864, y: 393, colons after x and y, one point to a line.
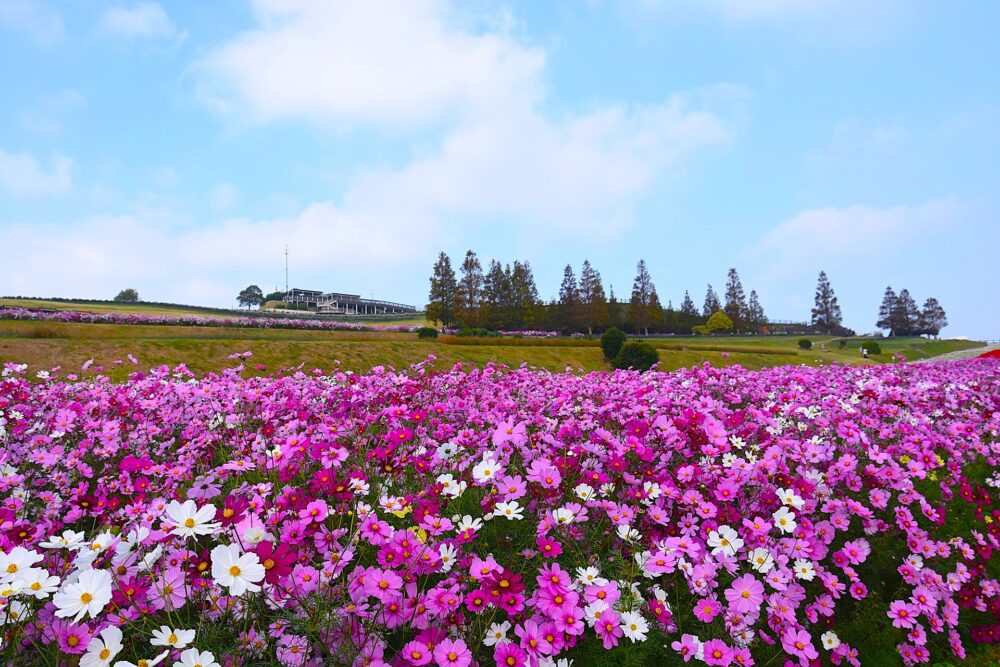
x: 178, y: 147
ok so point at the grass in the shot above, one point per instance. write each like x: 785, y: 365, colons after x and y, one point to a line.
x: 44, y: 345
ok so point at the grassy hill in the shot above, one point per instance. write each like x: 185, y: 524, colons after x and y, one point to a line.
x: 44, y: 345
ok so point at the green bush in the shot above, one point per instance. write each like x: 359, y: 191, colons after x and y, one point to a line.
x: 611, y: 342
x: 427, y: 332
x: 841, y: 343
x: 640, y: 356
x: 872, y: 347
x: 805, y: 344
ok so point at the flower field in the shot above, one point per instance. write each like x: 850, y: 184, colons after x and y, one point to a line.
x: 495, y: 516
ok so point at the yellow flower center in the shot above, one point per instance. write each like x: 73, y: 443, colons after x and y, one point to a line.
x: 234, y: 571
x: 189, y: 523
x: 86, y: 598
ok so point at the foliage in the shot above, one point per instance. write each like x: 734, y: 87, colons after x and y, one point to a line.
x: 612, y: 341
x: 736, y: 303
x: 719, y: 321
x: 826, y: 315
x: 805, y: 344
x: 441, y: 306
x: 251, y: 296
x: 427, y: 332
x: 638, y: 355
x: 872, y: 347
x: 128, y: 295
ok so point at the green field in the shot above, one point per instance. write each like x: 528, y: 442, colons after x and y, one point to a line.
x: 44, y: 345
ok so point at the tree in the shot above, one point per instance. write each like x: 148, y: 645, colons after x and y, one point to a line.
x: 441, y: 300
x: 496, y: 288
x: 711, y: 304
x: 129, y: 295
x: 643, y: 311
x: 637, y: 355
x: 611, y: 342
x: 826, y: 311
x: 615, y: 317
x: 274, y: 296
x: 719, y: 321
x: 569, y: 300
x: 736, y: 300
x: 756, y: 313
x: 885, y: 311
x: 932, y: 318
x: 905, y: 314
x: 525, y: 295
x: 592, y: 298
x: 469, y: 291
x: 251, y: 296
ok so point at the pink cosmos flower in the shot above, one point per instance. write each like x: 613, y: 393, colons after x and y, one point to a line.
x: 687, y: 646
x: 707, y: 609
x: 799, y: 643
x: 716, y: 652
x: 509, y: 654
x: 452, y: 653
x: 746, y: 594
x: 417, y: 653
x: 608, y: 628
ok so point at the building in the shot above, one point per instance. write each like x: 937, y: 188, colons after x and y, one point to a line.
x: 335, y: 303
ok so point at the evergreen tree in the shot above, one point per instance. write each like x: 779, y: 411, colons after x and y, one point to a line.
x: 688, y: 316
x: 494, y: 296
x: 756, y: 313
x: 569, y: 300
x: 615, y: 318
x: 826, y: 311
x: 687, y: 306
x: 655, y: 312
x: 469, y: 291
x: 736, y: 300
x: 592, y: 298
x: 711, y: 304
x: 525, y: 296
x: 641, y: 312
x: 885, y: 311
x: 441, y: 301
x: 905, y: 314
x: 932, y: 318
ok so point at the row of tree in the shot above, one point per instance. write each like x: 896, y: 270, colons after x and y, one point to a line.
x: 506, y: 297
x: 900, y: 315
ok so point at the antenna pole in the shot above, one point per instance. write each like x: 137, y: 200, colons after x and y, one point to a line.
x: 286, y: 268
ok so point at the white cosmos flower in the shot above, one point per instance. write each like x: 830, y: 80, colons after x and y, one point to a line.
x: 590, y: 576
x: 724, y: 540
x: 153, y: 662
x: 830, y: 640
x: 790, y: 498
x: 237, y: 572
x: 167, y: 636
x: 634, y: 626
x: 804, y: 569
x: 447, y: 553
x: 468, y: 523
x: 563, y: 516
x: 187, y: 520
x: 628, y: 533
x: 11, y: 588
x: 15, y: 612
x: 584, y: 491
x: 497, y: 634
x: 761, y: 560
x: 36, y: 581
x: 68, y: 540
x: 103, y: 649
x: 18, y: 559
x: 784, y: 519
x: 486, y: 470
x: 195, y: 658
x: 511, y: 510
x: 89, y: 595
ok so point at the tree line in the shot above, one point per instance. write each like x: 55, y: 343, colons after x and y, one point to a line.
x: 900, y: 315
x: 505, y: 297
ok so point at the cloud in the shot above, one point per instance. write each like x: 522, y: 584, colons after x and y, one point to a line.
x: 22, y: 175
x: 143, y: 19
x: 52, y: 113
x: 39, y: 22
x: 223, y: 196
x: 402, y: 63
x: 850, y: 237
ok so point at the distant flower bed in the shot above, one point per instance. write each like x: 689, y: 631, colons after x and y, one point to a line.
x: 255, y: 322
x: 495, y: 516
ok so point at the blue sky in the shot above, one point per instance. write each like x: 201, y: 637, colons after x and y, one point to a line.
x: 177, y: 147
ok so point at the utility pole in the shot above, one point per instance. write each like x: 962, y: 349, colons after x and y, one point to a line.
x: 286, y: 268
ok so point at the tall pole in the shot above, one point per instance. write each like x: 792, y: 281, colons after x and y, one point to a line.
x: 286, y: 268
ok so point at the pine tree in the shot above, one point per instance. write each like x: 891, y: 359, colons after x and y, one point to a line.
x: 615, y: 318
x: 711, y: 304
x: 494, y: 290
x: 687, y: 306
x: 736, y: 300
x: 885, y: 311
x: 525, y: 293
x: 932, y: 318
x: 826, y: 311
x: 640, y: 312
x: 569, y: 300
x: 441, y: 301
x: 756, y: 313
x: 469, y: 291
x: 594, y: 302
x: 905, y: 314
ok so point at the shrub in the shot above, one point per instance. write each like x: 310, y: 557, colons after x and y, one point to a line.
x: 805, y: 344
x: 637, y: 355
x: 719, y: 321
x: 872, y: 347
x: 611, y: 342
x: 427, y: 332
x: 841, y: 343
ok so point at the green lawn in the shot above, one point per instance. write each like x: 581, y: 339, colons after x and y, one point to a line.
x: 47, y: 344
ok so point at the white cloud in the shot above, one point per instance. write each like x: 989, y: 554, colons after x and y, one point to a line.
x: 22, y: 175
x: 849, y: 237
x: 397, y: 62
x: 52, y: 113
x: 41, y: 23
x: 143, y: 19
